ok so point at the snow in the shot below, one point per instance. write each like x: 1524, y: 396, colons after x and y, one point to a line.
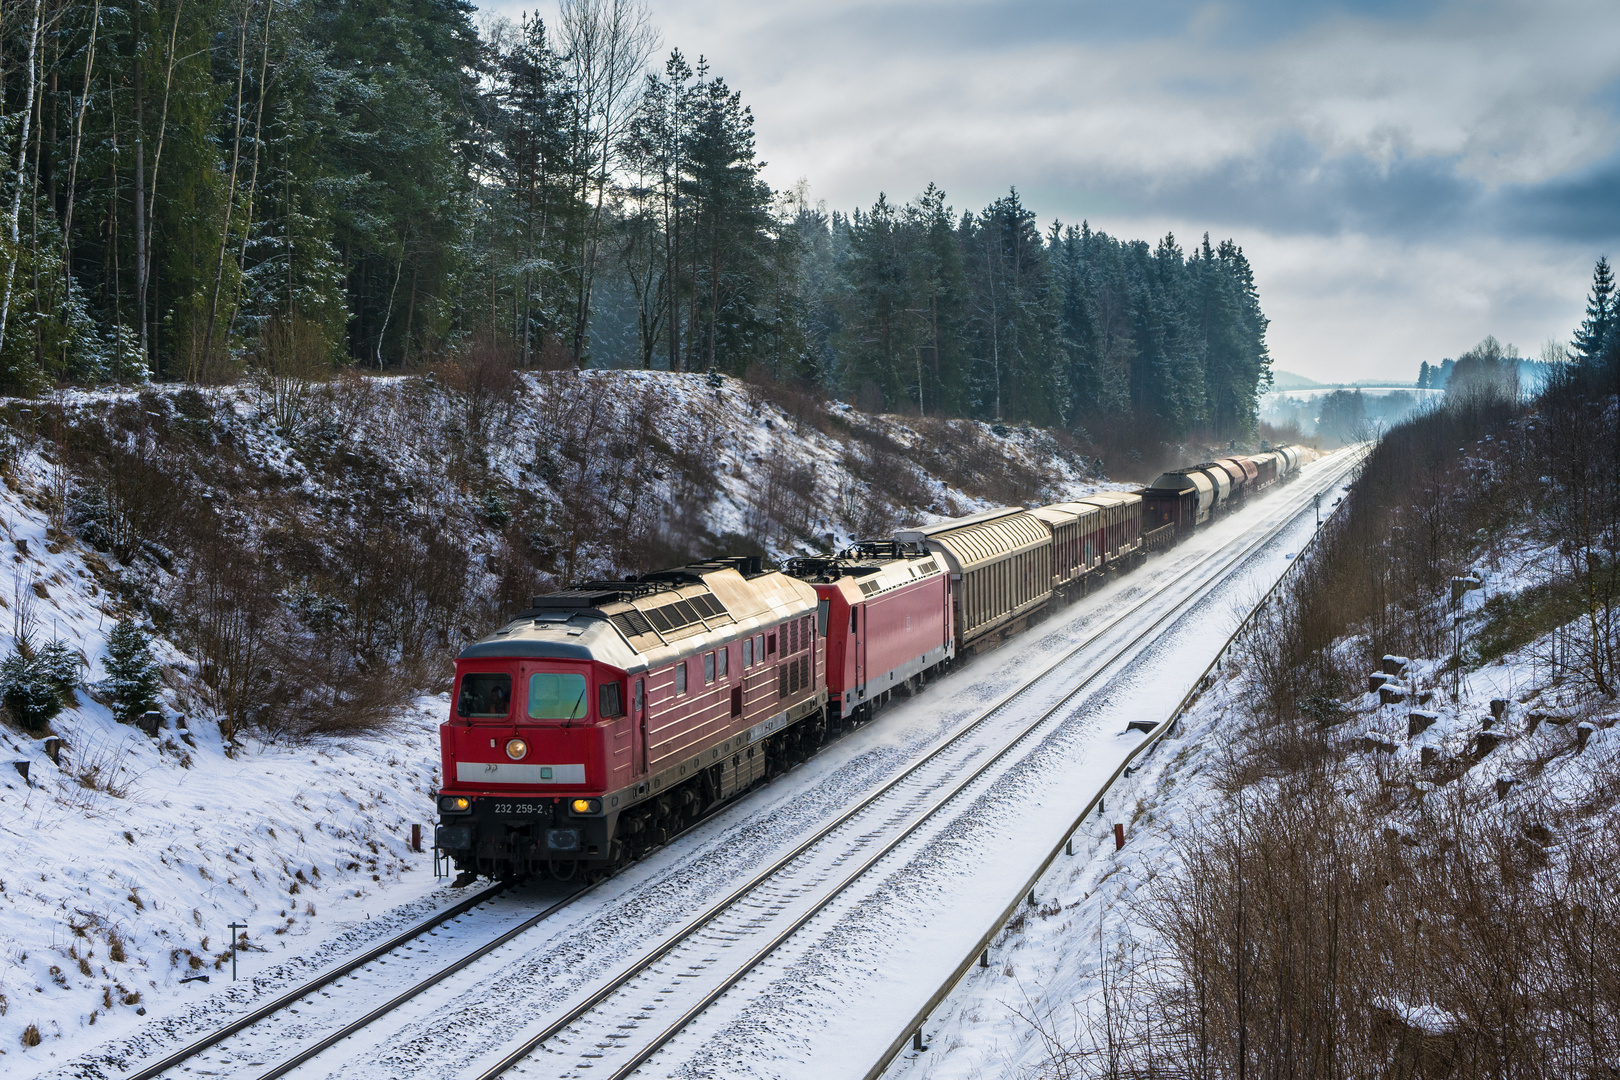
x: 147, y: 848
x: 1041, y: 1005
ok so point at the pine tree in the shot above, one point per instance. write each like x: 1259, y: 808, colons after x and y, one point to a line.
x: 1423, y: 376
x: 1600, y: 315
x: 132, y: 675
x: 35, y: 686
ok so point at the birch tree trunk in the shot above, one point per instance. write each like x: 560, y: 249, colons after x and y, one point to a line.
x: 22, y: 171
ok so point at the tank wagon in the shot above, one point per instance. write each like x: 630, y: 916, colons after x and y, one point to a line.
x: 605, y: 718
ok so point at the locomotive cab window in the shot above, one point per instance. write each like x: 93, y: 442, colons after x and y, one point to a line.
x: 748, y: 652
x: 609, y: 700
x: 720, y: 661
x: 485, y: 695
x: 556, y: 696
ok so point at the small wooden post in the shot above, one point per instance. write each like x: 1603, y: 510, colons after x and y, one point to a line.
x: 1119, y: 835
x: 416, y: 838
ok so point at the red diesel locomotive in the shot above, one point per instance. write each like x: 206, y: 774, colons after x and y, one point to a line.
x: 605, y: 718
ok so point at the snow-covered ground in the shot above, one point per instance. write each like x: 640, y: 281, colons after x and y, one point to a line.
x: 124, y: 860
x: 1041, y: 1008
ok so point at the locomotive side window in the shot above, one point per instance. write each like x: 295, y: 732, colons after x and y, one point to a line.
x: 720, y: 661
x: 770, y: 644
x: 556, y: 696
x: 759, y: 648
x: 854, y: 619
x: 748, y: 652
x: 708, y: 668
x: 680, y: 677
x: 641, y: 694
x: 485, y: 695
x: 609, y: 700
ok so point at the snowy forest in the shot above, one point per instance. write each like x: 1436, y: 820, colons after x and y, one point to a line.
x: 196, y: 190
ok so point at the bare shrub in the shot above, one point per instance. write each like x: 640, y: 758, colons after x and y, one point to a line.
x: 291, y: 357
x: 483, y: 382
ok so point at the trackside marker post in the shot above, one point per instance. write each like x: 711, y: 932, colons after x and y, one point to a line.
x: 1119, y: 835
x: 236, y: 928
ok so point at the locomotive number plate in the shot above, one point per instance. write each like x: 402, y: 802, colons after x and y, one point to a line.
x: 519, y: 808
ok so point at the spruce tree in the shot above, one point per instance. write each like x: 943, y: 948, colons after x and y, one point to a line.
x: 132, y: 674
x: 1600, y: 315
x: 1423, y: 376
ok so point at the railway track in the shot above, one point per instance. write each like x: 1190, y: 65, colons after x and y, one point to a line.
x: 621, y: 1025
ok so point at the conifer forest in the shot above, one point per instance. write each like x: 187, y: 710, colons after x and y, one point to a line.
x: 197, y: 188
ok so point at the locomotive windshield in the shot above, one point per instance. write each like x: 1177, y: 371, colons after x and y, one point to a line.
x: 556, y: 696
x: 485, y: 695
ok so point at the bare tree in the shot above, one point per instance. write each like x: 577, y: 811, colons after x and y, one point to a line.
x: 22, y: 168
x: 608, y: 44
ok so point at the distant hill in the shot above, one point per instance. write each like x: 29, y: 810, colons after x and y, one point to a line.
x: 1287, y: 380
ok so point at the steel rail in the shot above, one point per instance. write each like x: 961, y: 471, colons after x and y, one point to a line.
x: 686, y: 933
x: 326, y: 1042
x: 461, y: 907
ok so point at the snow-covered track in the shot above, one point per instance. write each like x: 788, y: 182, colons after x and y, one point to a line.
x: 690, y: 971
x: 177, y: 1062
x: 303, y: 990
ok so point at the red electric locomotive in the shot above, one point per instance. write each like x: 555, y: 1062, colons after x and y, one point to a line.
x: 888, y: 622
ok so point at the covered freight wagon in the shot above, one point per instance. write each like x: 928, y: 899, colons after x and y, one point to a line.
x: 1000, y: 563
x: 1077, y: 541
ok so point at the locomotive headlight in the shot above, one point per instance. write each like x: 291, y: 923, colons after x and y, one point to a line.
x: 587, y: 806
x: 455, y: 804
x: 516, y: 748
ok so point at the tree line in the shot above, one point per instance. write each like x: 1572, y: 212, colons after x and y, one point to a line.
x: 191, y: 187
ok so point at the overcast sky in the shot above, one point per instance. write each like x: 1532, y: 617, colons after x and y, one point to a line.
x: 1405, y: 177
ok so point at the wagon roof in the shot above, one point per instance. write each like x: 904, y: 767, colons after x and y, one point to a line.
x: 1065, y: 513
x: 1181, y: 481
x: 971, y: 546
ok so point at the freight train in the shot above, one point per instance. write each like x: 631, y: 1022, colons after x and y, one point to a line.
x: 606, y: 718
